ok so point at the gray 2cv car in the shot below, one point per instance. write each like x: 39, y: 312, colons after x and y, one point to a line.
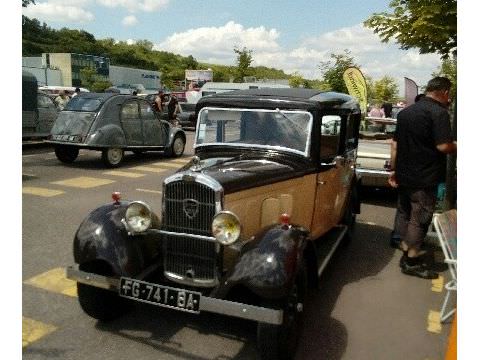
x: 112, y: 123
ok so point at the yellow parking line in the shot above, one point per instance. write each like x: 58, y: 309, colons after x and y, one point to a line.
x: 41, y: 191
x: 124, y: 174
x: 54, y: 280
x: 149, y: 191
x: 168, y: 165
x: 149, y: 169
x: 433, y: 322
x: 180, y: 161
x: 83, y: 182
x: 32, y: 330
x: 437, y: 284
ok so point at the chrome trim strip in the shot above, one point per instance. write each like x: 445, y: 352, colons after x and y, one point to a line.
x: 200, y: 237
x: 332, y: 250
x: 379, y: 173
x: 209, y: 304
x: 190, y: 282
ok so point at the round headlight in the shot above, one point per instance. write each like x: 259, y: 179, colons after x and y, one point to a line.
x: 138, y: 217
x: 226, y: 227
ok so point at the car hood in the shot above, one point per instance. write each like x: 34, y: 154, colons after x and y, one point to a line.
x: 247, y: 171
x: 73, y: 123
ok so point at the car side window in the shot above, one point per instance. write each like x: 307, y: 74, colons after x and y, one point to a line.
x: 45, y: 102
x: 330, y: 136
x: 146, y: 111
x: 130, y: 110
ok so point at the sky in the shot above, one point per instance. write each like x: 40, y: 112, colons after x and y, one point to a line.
x: 294, y: 36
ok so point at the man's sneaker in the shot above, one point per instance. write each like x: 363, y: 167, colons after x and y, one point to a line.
x: 419, y: 270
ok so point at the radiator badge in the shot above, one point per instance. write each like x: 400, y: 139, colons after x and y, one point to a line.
x: 190, y: 208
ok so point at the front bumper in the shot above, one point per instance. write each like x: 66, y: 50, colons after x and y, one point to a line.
x: 209, y: 304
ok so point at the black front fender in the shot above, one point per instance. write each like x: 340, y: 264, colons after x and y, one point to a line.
x: 269, y: 264
x: 102, y: 237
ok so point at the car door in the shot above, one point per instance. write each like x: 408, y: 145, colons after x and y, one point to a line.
x: 330, y: 192
x: 132, y: 123
x: 155, y: 133
x: 47, y: 114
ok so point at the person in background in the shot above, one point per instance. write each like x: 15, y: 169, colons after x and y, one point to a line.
x: 76, y: 92
x: 173, y: 109
x: 421, y: 141
x: 387, y: 109
x: 62, y: 99
x: 158, y: 103
x: 376, y: 112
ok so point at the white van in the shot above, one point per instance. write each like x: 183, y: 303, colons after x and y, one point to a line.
x: 210, y: 88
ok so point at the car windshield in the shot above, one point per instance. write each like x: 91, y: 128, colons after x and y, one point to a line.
x: 378, y: 128
x: 79, y: 103
x: 269, y: 129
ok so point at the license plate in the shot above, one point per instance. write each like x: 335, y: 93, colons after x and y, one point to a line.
x: 160, y: 295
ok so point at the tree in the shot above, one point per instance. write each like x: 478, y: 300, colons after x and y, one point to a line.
x: 385, y: 89
x: 244, y: 60
x: 25, y: 3
x: 333, y: 72
x: 429, y: 25
x: 296, y: 81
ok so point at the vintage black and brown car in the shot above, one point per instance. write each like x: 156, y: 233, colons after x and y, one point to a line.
x: 112, y: 123
x: 245, y: 227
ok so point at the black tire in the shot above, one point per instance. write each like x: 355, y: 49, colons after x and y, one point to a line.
x: 177, y: 148
x: 101, y: 304
x: 66, y: 154
x: 279, y: 342
x: 350, y: 217
x: 112, y: 157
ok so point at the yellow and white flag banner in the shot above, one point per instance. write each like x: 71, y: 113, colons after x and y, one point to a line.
x: 357, y: 86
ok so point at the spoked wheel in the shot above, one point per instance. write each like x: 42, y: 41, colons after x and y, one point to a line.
x: 66, y: 154
x: 177, y: 148
x: 279, y: 342
x: 112, y: 157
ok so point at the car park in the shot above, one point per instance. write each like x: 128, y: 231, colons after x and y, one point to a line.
x: 373, y: 158
x: 246, y: 227
x: 112, y: 123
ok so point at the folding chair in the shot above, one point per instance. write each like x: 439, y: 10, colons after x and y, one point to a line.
x: 446, y: 228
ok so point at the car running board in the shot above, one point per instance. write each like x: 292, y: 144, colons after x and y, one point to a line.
x: 327, y: 244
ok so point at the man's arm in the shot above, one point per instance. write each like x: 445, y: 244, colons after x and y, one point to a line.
x: 447, y: 148
x: 392, y: 181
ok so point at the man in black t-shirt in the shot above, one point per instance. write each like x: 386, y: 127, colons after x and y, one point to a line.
x: 418, y: 156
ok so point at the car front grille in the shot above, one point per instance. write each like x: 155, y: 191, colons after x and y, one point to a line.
x: 189, y: 208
